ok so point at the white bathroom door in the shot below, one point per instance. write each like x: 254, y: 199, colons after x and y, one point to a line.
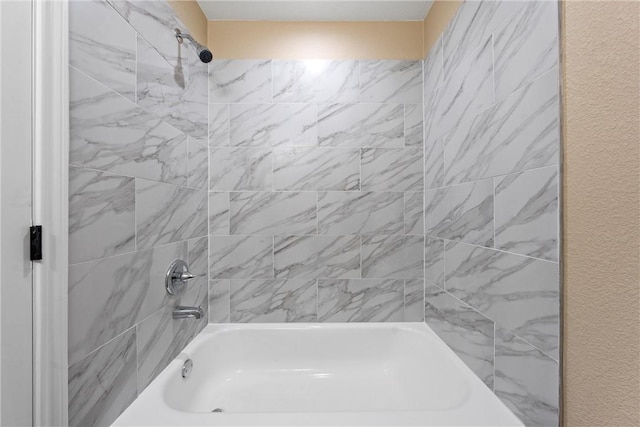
x: 16, y: 276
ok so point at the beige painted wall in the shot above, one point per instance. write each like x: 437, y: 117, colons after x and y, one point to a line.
x: 190, y: 13
x: 321, y: 40
x: 436, y: 21
x: 601, y: 44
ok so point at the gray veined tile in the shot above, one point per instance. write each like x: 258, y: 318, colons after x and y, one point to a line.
x: 101, y: 214
x: 361, y: 125
x: 197, y: 164
x: 391, y: 81
x: 461, y: 212
x: 316, y: 169
x: 219, y: 214
x: 166, y: 213
x: 397, y: 256
x: 273, y: 213
x: 392, y: 169
x: 526, y: 46
x: 110, y: 295
x: 434, y: 163
x: 360, y: 213
x: 240, y: 169
x: 414, y: 300
x: 240, y: 257
x: 413, y: 129
x: 110, y: 133
x: 239, y: 80
x: 360, y: 300
x: 219, y: 117
x: 103, y: 45
x: 434, y: 261
x: 219, y: 301
x: 527, y: 213
x: 413, y: 213
x: 433, y: 75
x: 103, y: 384
x: 520, y: 132
x: 270, y: 125
x: 263, y: 301
x: 177, y: 94
x: 315, y: 80
x: 519, y: 293
x: 316, y: 256
x: 469, y: 334
x: 198, y: 261
x: 526, y: 381
x: 466, y: 91
x: 472, y: 24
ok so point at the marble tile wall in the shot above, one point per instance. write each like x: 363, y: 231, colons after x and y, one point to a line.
x: 491, y: 177
x: 138, y: 178
x: 315, y: 191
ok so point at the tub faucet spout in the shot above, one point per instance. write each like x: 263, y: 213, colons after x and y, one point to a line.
x: 181, y: 312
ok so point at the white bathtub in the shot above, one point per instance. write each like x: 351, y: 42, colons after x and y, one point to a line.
x: 329, y: 374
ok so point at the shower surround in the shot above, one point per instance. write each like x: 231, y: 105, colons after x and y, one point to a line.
x: 138, y: 171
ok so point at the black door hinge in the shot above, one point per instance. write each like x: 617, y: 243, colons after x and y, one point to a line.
x: 35, y: 237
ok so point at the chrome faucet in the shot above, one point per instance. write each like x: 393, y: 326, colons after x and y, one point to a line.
x: 182, y: 312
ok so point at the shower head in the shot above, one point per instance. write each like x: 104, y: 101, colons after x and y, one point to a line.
x: 204, y: 54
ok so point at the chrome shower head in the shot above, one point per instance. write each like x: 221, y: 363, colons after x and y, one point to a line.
x: 204, y: 54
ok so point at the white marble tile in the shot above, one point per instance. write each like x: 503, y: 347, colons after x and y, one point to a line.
x: 103, y: 384
x: 103, y: 45
x: 434, y: 261
x: 198, y: 261
x: 398, y: 256
x: 316, y: 256
x: 342, y: 212
x: 110, y: 295
x: 471, y: 25
x: 461, y: 212
x: 527, y: 213
x: 526, y: 46
x: 521, y: 132
x: 240, y: 169
x: 469, y: 334
x: 219, y: 214
x: 391, y: 169
x: 413, y: 129
x: 269, y: 301
x: 219, y: 132
x: 101, y: 214
x: 526, y: 381
x: 361, y: 125
x: 110, y: 133
x: 520, y: 293
x: 273, y: 213
x: 467, y: 90
x: 270, y: 125
x: 414, y: 300
x: 240, y: 257
x: 315, y: 80
x: 413, y: 213
x: 177, y: 94
x: 239, y: 80
x: 434, y: 163
x: 433, y: 75
x: 316, y: 168
x: 360, y: 300
x: 197, y: 164
x: 166, y: 213
x: 391, y: 81
x: 219, y: 301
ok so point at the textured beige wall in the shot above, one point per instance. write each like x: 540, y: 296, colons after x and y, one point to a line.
x: 436, y: 21
x: 601, y: 43
x: 190, y: 13
x: 321, y: 40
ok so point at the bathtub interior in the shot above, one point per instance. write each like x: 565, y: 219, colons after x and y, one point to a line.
x: 318, y: 369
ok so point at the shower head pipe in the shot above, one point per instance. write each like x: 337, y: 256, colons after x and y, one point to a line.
x: 204, y: 53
